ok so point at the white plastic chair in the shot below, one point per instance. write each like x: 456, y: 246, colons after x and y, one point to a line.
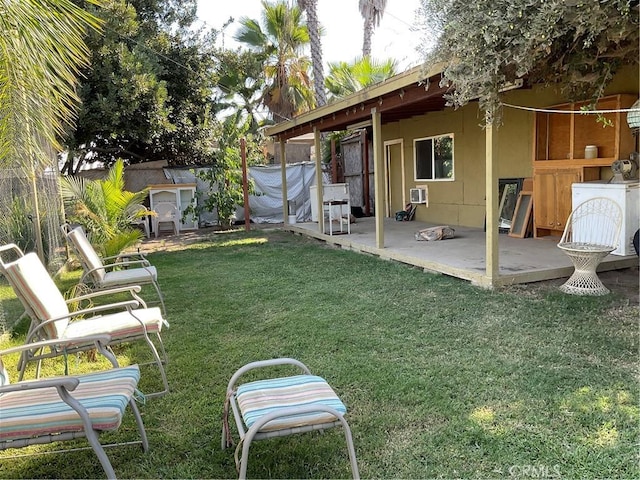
x: 592, y: 232
x: 276, y: 407
x: 143, y: 221
x: 166, y: 212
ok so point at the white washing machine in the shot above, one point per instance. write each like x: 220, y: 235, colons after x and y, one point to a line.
x: 626, y: 194
x: 330, y: 191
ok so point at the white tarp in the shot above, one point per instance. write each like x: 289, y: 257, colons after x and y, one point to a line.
x: 266, y: 204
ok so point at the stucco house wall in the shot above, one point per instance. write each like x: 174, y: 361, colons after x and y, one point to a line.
x: 461, y: 201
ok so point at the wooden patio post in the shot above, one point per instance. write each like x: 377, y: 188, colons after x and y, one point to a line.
x: 283, y: 172
x: 378, y: 175
x: 318, y: 154
x: 492, y: 263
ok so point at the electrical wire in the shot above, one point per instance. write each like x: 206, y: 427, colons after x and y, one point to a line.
x: 386, y: 12
x: 586, y: 112
x: 225, y: 88
x: 171, y: 60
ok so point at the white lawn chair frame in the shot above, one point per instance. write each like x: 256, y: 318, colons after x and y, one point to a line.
x: 79, y: 408
x: 166, y: 212
x: 51, y: 318
x: 110, y: 272
x: 318, y: 414
x: 143, y: 221
x: 592, y: 232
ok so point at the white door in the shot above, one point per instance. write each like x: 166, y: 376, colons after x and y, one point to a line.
x: 395, y: 191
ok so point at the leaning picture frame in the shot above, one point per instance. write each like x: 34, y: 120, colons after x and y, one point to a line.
x: 521, y: 220
x: 508, y: 191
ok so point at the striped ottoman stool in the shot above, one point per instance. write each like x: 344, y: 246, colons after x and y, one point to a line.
x: 276, y: 407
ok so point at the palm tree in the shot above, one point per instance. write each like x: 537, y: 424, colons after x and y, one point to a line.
x: 310, y: 6
x: 105, y: 209
x: 371, y: 11
x: 346, y: 78
x: 288, y: 86
x: 241, y: 82
x: 41, y: 53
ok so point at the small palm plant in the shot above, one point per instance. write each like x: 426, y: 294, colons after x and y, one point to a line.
x: 346, y: 78
x: 105, y: 209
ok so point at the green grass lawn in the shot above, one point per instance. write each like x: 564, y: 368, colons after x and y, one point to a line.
x: 442, y: 379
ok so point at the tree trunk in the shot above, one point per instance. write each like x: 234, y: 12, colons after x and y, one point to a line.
x: 310, y: 6
x: 371, y: 11
x: 368, y: 33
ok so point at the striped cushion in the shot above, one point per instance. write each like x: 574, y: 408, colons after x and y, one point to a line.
x: 86, y: 251
x: 37, y: 291
x: 32, y: 413
x: 259, y: 398
x: 119, y: 325
x: 131, y: 276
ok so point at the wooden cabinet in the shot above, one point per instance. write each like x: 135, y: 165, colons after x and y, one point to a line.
x: 552, y: 196
x: 564, y: 136
x: 559, y: 150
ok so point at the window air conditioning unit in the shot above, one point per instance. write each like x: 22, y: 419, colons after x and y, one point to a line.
x: 418, y: 195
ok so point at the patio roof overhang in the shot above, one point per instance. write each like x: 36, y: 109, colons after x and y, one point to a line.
x: 415, y: 92
x: 406, y: 95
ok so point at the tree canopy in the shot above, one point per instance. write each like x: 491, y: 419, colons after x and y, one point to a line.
x: 280, y: 39
x: 147, y: 94
x: 42, y: 50
x: 240, y: 84
x: 156, y: 88
x: 578, y: 44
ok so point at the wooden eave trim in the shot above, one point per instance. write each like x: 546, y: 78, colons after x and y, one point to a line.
x: 302, y: 122
x: 357, y: 112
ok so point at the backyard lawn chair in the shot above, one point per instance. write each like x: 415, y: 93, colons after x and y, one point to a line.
x: 592, y: 232
x: 51, y: 318
x: 65, y: 408
x: 277, y: 407
x: 166, y: 212
x: 109, y: 272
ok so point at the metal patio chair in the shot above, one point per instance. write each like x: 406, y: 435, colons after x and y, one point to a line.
x: 110, y: 272
x: 592, y: 232
x: 52, y: 319
x: 64, y: 408
x: 277, y: 407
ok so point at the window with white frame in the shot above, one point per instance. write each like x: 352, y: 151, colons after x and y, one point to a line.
x: 433, y: 157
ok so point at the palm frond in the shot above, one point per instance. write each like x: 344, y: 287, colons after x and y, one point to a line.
x: 41, y: 53
x: 105, y: 209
